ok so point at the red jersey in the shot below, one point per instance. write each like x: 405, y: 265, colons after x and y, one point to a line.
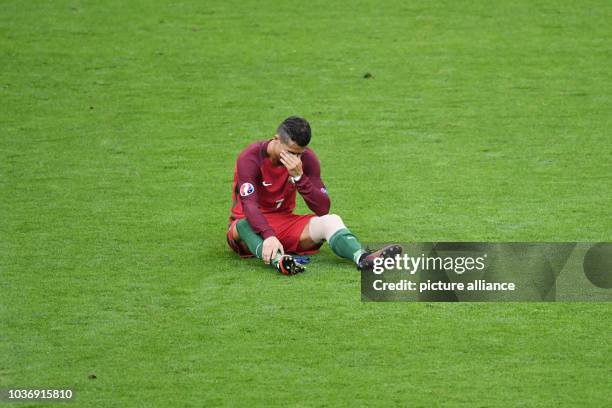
x: 260, y: 187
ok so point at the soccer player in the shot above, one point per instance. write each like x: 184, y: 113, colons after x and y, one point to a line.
x: 262, y: 223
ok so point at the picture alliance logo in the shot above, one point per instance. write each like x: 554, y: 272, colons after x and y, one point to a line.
x: 412, y: 264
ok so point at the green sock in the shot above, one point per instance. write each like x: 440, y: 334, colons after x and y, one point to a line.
x: 344, y: 244
x: 253, y: 240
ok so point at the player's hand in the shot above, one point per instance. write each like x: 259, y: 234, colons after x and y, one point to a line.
x: 271, y: 246
x: 292, y: 162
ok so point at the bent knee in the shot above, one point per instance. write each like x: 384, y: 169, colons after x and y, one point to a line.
x: 331, y: 218
x: 331, y: 223
x: 324, y: 226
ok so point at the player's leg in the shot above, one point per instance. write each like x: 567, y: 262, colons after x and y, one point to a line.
x: 331, y: 228
x: 237, y: 244
x: 243, y: 234
x: 342, y: 241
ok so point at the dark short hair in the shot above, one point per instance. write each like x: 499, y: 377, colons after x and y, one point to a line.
x: 296, y: 129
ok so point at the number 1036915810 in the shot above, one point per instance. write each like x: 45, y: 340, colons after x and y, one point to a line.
x: 13, y: 394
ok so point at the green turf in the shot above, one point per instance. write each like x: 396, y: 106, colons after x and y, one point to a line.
x: 119, y: 127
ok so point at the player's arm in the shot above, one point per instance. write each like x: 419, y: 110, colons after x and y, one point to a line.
x: 249, y: 178
x: 309, y: 184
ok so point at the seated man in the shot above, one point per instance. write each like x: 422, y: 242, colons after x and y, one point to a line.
x: 262, y: 223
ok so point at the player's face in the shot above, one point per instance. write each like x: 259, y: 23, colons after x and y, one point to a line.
x: 290, y: 147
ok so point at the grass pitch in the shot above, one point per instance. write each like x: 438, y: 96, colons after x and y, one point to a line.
x: 119, y: 127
